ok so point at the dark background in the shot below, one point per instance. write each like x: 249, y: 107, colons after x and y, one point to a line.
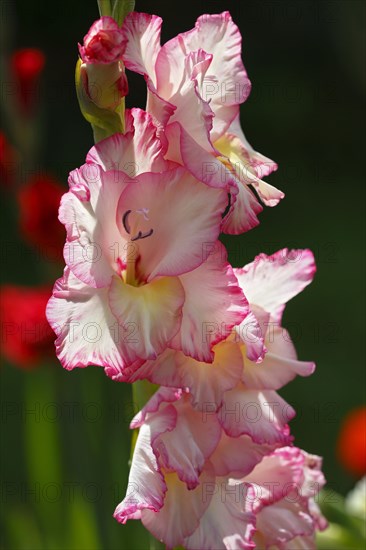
x: 65, y: 435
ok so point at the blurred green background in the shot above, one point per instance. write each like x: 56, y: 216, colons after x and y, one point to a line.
x: 65, y: 437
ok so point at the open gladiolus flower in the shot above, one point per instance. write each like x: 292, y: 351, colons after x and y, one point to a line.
x: 194, y: 485
x: 287, y: 483
x: 268, y: 282
x: 135, y: 255
x: 196, y: 83
x: 218, y: 447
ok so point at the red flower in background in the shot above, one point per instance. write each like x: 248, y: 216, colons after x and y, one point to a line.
x: 27, y: 65
x: 39, y: 201
x: 8, y: 162
x: 351, y: 445
x: 25, y: 333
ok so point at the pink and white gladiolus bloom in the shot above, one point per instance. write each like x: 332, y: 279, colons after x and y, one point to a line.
x: 149, y: 295
x: 194, y: 485
x: 135, y: 258
x: 268, y: 282
x: 196, y: 83
x: 288, y: 483
x: 212, y: 467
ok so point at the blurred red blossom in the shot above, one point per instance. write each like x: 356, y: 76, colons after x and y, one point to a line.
x: 351, y: 447
x: 39, y: 201
x: 27, y: 65
x: 8, y: 162
x: 25, y: 333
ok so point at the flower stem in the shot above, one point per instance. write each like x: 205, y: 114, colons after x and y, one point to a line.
x: 155, y: 544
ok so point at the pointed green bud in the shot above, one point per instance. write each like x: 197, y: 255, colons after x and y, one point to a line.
x: 104, y: 7
x: 121, y: 8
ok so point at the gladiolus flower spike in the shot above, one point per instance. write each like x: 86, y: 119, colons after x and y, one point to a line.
x: 149, y: 295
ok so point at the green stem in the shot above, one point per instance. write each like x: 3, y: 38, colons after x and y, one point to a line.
x: 155, y: 544
x: 142, y: 390
x: 42, y: 432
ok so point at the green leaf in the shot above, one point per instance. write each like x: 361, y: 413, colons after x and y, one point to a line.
x: 336, y: 537
x: 82, y: 525
x: 43, y: 452
x: 21, y: 529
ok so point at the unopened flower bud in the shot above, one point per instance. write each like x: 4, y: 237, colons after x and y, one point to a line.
x: 104, y: 42
x: 101, y: 79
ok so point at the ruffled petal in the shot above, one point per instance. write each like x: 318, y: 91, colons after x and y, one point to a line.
x: 314, y: 479
x: 181, y: 215
x: 182, y: 510
x: 281, y: 522
x: 243, y: 213
x: 162, y: 422
x: 185, y: 449
x: 207, y: 322
x: 261, y: 414
x: 262, y: 166
x: 162, y: 371
x: 162, y: 395
x: 279, y: 366
x: 238, y: 456
x: 137, y: 151
x: 226, y: 83
x: 153, y: 310
x: 94, y: 243
x: 142, y: 34
x: 192, y: 111
x: 271, y: 281
x: 283, y: 507
x: 203, y: 163
x: 207, y: 382
x: 277, y: 476
x: 228, y: 523
x: 251, y: 332
x: 87, y: 331
x: 146, y: 486
x: 240, y: 160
